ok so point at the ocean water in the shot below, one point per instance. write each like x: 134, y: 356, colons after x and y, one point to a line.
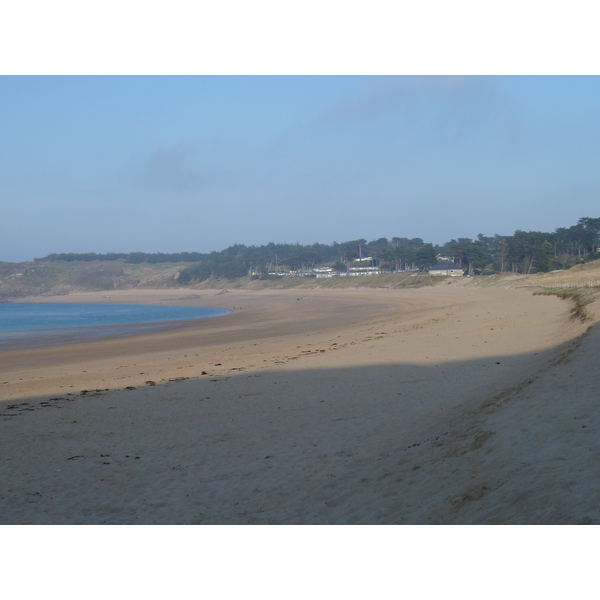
x: 30, y: 325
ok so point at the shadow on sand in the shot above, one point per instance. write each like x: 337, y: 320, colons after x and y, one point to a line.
x: 500, y: 439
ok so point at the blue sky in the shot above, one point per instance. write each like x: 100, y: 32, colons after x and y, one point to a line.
x: 197, y: 163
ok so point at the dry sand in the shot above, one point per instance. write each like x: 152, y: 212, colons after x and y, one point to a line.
x: 437, y: 405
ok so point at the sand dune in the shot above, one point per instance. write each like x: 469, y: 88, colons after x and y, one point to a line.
x: 437, y: 405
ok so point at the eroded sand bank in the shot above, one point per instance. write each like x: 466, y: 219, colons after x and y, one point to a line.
x: 437, y: 405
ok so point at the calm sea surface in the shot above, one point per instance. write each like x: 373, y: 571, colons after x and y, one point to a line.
x: 30, y: 325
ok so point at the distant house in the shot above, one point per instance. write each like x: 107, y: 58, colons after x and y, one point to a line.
x: 324, y: 272
x: 446, y: 268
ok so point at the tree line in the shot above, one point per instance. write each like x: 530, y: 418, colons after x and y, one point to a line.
x: 528, y: 252
x: 130, y: 257
x: 523, y: 252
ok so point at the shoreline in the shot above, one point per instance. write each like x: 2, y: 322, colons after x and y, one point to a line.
x: 21, y: 339
x: 61, y: 336
x: 256, y: 317
x: 348, y: 406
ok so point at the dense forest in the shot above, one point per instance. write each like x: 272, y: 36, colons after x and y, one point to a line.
x: 523, y: 252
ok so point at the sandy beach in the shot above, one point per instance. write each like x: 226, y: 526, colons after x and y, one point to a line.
x: 437, y: 405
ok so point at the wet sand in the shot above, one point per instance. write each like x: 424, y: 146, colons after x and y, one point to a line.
x: 436, y: 405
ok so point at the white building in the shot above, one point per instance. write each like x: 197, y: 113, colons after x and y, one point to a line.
x: 446, y: 268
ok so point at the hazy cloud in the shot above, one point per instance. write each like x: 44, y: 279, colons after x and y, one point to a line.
x: 173, y: 166
x: 438, y: 109
x: 403, y: 119
x: 382, y: 95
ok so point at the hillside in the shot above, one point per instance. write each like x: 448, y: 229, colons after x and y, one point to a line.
x: 584, y: 275
x: 18, y: 280
x: 579, y: 276
x: 56, y: 278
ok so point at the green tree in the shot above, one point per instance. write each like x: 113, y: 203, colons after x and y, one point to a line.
x: 543, y: 256
x: 426, y: 256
